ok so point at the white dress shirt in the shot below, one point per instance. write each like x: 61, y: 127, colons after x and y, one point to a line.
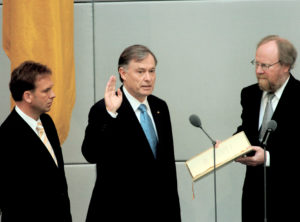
x: 33, y: 124
x: 135, y: 105
x: 274, y: 104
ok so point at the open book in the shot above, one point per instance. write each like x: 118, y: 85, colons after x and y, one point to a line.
x: 227, y: 151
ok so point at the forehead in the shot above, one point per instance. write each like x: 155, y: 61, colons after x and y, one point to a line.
x: 43, y: 79
x: 147, y: 62
x: 267, y: 52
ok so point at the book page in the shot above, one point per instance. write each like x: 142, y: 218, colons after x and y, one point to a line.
x: 227, y: 151
x: 232, y: 148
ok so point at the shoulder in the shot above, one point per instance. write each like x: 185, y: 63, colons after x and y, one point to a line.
x: 97, y: 108
x: 158, y: 105
x: 155, y: 100
x: 10, y: 120
x: 98, y: 111
x: 46, y: 117
x: 251, y: 95
x: 293, y: 82
x: 47, y: 121
x: 250, y: 89
x: 99, y: 105
x: 13, y: 125
x: 251, y: 92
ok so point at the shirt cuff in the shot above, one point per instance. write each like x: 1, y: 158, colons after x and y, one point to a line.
x: 268, y: 161
x: 113, y: 115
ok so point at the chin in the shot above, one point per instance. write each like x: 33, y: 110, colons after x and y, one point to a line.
x: 263, y: 85
x: 47, y: 110
x: 147, y: 92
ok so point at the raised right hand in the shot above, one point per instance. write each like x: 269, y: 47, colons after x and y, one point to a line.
x: 112, y: 100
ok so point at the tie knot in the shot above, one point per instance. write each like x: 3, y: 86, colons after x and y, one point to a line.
x: 39, y: 126
x: 270, y: 96
x: 143, y: 108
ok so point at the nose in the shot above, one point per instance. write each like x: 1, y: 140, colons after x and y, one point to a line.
x: 259, y: 69
x: 147, y: 76
x: 52, y: 94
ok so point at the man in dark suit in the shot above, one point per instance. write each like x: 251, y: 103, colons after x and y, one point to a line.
x: 135, y: 181
x: 275, y: 57
x: 33, y: 186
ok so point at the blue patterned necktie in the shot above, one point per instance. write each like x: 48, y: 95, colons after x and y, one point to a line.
x: 148, y: 128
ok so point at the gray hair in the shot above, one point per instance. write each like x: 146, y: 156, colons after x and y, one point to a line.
x: 287, y: 53
x: 134, y: 52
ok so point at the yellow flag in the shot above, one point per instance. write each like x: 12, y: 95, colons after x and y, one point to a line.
x: 42, y: 31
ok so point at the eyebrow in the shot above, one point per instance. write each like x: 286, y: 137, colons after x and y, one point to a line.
x: 48, y: 88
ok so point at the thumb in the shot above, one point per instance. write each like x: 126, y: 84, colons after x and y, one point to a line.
x: 119, y: 93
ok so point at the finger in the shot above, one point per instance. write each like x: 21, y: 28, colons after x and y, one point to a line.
x: 119, y: 93
x: 111, y: 84
x: 218, y: 143
x: 239, y: 159
x: 244, y: 160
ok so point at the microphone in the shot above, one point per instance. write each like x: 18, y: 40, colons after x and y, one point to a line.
x: 271, y: 127
x: 195, y: 121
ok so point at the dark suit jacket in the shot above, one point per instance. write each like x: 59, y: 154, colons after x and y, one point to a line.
x: 283, y: 146
x: 32, y: 187
x: 131, y: 185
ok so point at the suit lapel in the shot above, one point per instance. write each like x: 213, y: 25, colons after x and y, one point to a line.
x: 129, y: 119
x: 56, y: 147
x: 286, y: 100
x: 156, y: 114
x: 256, y: 103
x: 24, y: 128
x: 127, y: 113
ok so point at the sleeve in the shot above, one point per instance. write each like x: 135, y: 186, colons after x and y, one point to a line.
x: 98, y: 134
x: 5, y: 139
x: 240, y: 127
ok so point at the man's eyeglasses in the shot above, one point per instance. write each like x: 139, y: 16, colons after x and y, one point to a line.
x: 263, y: 66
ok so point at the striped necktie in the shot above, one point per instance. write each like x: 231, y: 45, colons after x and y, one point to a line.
x: 43, y: 137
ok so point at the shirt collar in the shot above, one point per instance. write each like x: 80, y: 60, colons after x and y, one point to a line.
x: 134, y: 102
x: 279, y: 91
x: 30, y: 121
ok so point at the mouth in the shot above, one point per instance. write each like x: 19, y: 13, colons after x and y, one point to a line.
x: 147, y: 87
x: 261, y: 78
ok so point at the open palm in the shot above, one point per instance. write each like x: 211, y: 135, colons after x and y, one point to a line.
x: 112, y: 99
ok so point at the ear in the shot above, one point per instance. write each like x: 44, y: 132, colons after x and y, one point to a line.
x: 286, y: 69
x: 27, y: 96
x: 123, y: 73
